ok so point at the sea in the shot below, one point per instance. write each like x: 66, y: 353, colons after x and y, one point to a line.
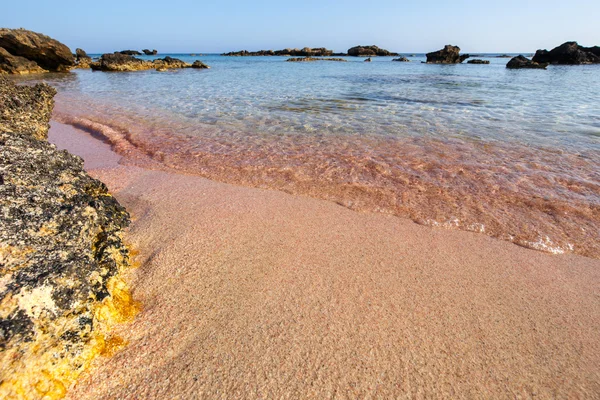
x: 513, y: 154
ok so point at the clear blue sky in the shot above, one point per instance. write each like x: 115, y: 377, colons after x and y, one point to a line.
x: 225, y: 25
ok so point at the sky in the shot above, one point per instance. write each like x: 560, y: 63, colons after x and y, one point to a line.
x: 173, y: 26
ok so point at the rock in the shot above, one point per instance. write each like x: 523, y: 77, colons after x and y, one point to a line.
x: 519, y: 62
x: 121, y: 62
x: 569, y: 53
x: 401, y: 59
x: 200, y: 65
x: 26, y: 109
x: 82, y: 61
x: 161, y: 69
x: 504, y: 56
x: 369, y: 51
x: 368, y: 59
x: 129, y: 52
x: 10, y: 64
x: 62, y: 255
x: 169, y: 62
x: 478, y: 62
x: 305, y: 52
x: 150, y: 53
x: 48, y: 53
x: 448, y: 55
x: 309, y: 59
x: 124, y: 63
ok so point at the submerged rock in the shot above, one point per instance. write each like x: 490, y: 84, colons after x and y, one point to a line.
x: 401, y: 59
x: 61, y: 252
x: 519, y: 62
x: 309, y: 59
x: 369, y: 51
x: 368, y: 59
x: 448, y: 55
x: 478, y: 62
x: 48, y: 53
x: 569, y: 53
x: 10, y: 64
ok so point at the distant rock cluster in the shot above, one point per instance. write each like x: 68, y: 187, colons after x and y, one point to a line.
x: 119, y: 62
x: 305, y: 52
x: 369, y: 51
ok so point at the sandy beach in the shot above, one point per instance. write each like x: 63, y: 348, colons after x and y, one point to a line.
x: 251, y: 293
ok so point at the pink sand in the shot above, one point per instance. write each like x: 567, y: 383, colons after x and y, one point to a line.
x: 249, y: 293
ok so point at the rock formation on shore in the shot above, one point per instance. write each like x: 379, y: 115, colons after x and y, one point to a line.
x: 118, y: 62
x: 369, y: 51
x: 477, y: 61
x: 61, y: 255
x: 23, y: 51
x: 309, y: 59
x: 150, y: 52
x: 520, y: 62
x: 305, y: 52
x: 569, y: 53
x: 82, y: 60
x: 448, y: 55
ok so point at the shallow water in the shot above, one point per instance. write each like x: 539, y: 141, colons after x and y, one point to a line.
x: 513, y: 154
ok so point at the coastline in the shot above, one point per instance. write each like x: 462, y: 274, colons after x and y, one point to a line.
x: 257, y: 293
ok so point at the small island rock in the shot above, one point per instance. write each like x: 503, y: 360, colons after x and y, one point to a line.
x: 519, y: 62
x: 448, y: 55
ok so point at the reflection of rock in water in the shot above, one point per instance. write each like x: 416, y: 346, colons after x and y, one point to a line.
x: 61, y: 254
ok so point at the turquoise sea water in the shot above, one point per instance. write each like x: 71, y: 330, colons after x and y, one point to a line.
x: 511, y: 153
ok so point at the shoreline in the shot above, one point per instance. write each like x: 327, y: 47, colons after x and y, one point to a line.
x: 257, y: 293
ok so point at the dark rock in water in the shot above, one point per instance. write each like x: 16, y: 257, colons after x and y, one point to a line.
x: 199, y: 65
x: 504, y: 56
x: 48, y: 53
x: 368, y: 59
x: 369, y: 51
x: 10, y: 64
x: 519, y: 62
x: 401, y: 59
x: 62, y: 253
x: 305, y: 52
x: 118, y: 62
x: 26, y: 109
x: 448, y: 55
x: 569, y: 53
x: 150, y: 52
x: 309, y: 59
x: 478, y: 62
x: 129, y: 52
x: 82, y: 59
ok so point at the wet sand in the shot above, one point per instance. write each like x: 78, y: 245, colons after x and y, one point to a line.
x: 251, y: 293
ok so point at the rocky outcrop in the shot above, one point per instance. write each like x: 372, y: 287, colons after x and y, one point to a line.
x: 49, y: 54
x: 369, y: 51
x: 519, y: 62
x: 199, y: 65
x: 569, y: 53
x: 448, y: 55
x: 477, y: 61
x: 82, y: 60
x: 309, y: 59
x: 26, y: 109
x: 61, y: 256
x: 130, y: 52
x: 368, y: 59
x: 10, y: 64
x: 150, y: 52
x: 118, y: 62
x: 305, y: 52
x: 401, y: 59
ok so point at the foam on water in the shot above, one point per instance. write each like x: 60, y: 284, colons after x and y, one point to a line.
x: 512, y: 154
